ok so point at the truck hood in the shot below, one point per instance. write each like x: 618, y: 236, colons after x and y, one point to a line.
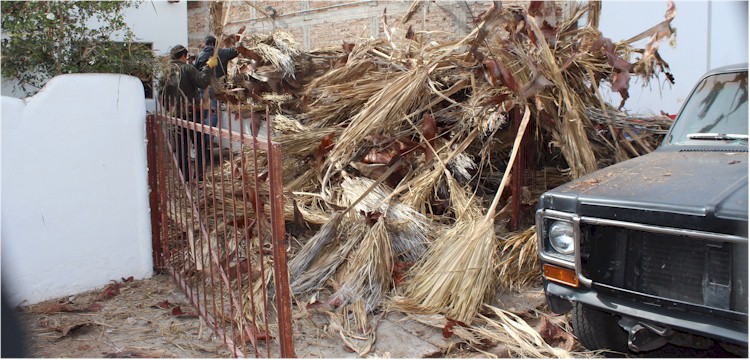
x: 694, y: 185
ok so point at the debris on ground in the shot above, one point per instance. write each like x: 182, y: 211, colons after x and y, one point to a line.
x: 130, y: 324
x: 398, y: 153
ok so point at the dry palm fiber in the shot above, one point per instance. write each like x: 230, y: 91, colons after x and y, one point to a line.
x: 322, y: 255
x: 406, y: 227
x: 520, y: 338
x: 519, y: 267
x: 315, y: 245
x: 382, y: 114
x: 505, y: 328
x: 256, y: 299
x: 442, y: 281
x: 304, y: 144
x: 313, y: 269
x: 370, y: 269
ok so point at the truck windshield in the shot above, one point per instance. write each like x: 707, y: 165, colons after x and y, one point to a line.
x: 715, y: 112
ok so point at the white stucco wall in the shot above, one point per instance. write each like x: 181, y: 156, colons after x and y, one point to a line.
x: 75, y: 210
x: 709, y: 34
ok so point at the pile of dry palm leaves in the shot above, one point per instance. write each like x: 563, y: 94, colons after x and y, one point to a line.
x: 398, y: 153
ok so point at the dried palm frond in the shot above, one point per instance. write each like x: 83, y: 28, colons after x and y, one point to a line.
x: 407, y: 227
x: 370, y: 269
x: 409, y: 231
x: 280, y: 60
x: 317, y: 266
x: 439, y: 281
x: 520, y: 338
x: 465, y: 251
x: 382, y: 114
x: 314, y: 246
x: 304, y: 143
x: 285, y: 42
x: 285, y: 124
x: 519, y: 266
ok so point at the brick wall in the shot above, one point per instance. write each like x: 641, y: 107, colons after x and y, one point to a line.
x: 318, y: 24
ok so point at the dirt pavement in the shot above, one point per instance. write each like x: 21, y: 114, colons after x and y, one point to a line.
x: 152, y: 318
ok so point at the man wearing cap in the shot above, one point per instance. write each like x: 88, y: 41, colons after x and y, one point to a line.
x: 179, y: 86
x: 207, y: 54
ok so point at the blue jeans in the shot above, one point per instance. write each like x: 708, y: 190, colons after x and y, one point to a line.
x: 210, y: 116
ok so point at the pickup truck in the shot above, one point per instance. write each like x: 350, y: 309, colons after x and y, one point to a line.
x: 654, y: 250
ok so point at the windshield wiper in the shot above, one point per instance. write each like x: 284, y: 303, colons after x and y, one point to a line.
x: 717, y: 136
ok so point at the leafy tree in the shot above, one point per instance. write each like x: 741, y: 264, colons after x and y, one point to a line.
x: 42, y: 39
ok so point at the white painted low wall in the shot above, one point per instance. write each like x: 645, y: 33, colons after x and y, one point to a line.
x: 75, y: 210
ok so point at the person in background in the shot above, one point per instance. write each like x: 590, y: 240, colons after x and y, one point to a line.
x: 208, y: 52
x: 180, y: 85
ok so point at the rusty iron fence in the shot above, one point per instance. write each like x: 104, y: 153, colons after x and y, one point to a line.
x: 218, y: 223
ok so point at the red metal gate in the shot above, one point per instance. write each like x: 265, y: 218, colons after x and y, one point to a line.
x: 221, y: 235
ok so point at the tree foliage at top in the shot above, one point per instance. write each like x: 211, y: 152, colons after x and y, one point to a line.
x: 42, y: 39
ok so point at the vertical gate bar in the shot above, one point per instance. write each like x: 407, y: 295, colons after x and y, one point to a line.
x: 260, y: 223
x: 223, y: 211
x: 205, y: 217
x: 238, y: 273
x: 153, y: 195
x: 283, y: 298
x: 259, y: 231
x: 234, y: 221
x: 162, y: 177
x: 208, y: 164
x: 201, y: 186
x: 198, y: 241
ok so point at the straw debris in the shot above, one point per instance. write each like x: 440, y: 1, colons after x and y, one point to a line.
x: 398, y: 154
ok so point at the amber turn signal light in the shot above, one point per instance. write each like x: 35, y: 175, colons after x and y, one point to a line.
x: 561, y: 275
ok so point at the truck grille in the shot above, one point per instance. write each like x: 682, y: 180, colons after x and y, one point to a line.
x: 672, y: 267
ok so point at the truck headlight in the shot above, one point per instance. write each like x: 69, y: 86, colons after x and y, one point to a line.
x: 561, y: 237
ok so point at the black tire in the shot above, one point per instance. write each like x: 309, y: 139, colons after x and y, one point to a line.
x: 598, y: 330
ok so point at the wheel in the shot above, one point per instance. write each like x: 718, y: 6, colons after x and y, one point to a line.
x: 598, y: 330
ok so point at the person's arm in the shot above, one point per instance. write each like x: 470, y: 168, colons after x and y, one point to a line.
x: 228, y: 53
x: 200, y: 78
x: 200, y: 61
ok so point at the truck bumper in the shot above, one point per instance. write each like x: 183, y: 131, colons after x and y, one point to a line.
x: 560, y: 299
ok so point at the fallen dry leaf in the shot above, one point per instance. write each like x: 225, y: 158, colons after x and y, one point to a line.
x: 555, y: 336
x: 177, y: 312
x: 162, y: 305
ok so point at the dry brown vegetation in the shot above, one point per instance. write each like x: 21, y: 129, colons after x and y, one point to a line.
x: 398, y: 153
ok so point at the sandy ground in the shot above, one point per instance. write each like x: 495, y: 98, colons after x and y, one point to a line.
x: 148, y: 318
x: 153, y: 319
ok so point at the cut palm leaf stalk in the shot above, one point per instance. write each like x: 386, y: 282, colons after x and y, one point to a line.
x: 456, y: 276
